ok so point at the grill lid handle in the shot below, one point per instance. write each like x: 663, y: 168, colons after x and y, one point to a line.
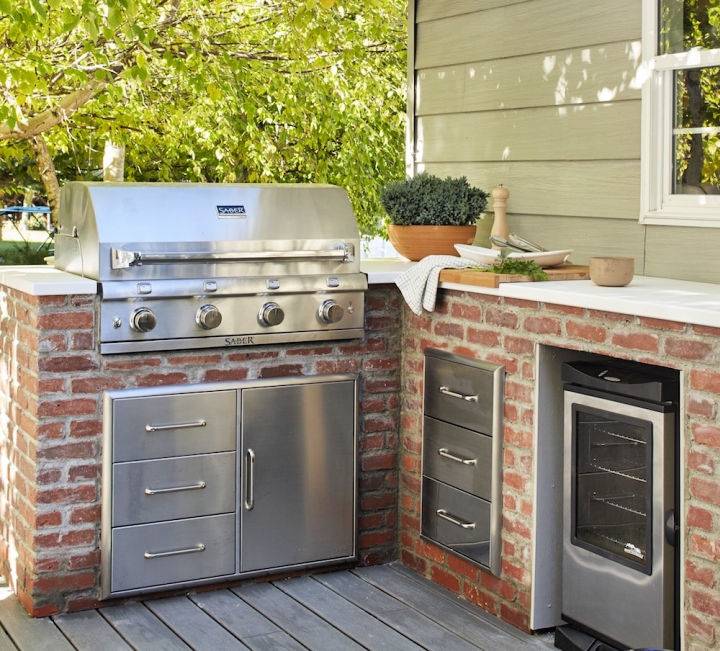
x: 122, y: 259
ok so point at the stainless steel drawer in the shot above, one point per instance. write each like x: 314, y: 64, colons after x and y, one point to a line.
x: 174, y: 425
x: 457, y: 520
x: 157, y: 554
x: 458, y: 456
x: 462, y: 391
x: 168, y: 489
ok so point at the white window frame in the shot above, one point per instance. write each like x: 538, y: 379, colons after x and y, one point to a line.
x: 658, y: 205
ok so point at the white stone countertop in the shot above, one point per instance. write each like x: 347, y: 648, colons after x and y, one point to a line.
x: 658, y: 298
x: 42, y: 280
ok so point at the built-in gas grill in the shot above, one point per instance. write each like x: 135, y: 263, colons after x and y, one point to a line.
x: 184, y: 266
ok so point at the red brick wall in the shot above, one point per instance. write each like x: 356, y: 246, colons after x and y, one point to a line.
x: 50, y: 437
x: 505, y: 331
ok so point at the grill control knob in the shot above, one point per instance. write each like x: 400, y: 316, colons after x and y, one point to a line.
x: 143, y: 319
x: 208, y: 317
x: 271, y: 314
x: 330, y: 312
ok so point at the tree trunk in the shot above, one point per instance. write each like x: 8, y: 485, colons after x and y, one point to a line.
x: 113, y: 162
x: 48, y: 175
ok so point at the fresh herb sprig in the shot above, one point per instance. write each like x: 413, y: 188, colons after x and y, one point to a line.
x: 528, y: 268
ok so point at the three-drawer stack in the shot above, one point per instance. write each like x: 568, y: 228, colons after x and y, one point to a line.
x: 173, y: 465
x: 462, y: 456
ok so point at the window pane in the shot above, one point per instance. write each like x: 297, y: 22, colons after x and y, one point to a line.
x: 685, y: 24
x: 696, y: 134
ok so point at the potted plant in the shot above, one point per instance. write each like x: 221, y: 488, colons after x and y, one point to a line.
x: 429, y: 215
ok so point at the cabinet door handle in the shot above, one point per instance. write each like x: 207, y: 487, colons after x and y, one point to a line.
x: 175, y: 489
x: 442, y: 513
x: 175, y: 552
x: 444, y: 452
x: 161, y: 428
x: 249, y: 479
x: 447, y: 391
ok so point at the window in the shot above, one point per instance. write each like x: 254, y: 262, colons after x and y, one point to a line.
x: 681, y: 113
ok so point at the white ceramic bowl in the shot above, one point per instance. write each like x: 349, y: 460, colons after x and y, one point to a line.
x: 484, y: 256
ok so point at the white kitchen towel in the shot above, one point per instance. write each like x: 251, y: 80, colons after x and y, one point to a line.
x: 419, y: 284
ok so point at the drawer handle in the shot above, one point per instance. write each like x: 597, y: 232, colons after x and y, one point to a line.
x: 442, y: 513
x: 175, y: 489
x: 249, y: 479
x: 167, y: 426
x: 444, y: 452
x: 454, y: 394
x: 175, y: 552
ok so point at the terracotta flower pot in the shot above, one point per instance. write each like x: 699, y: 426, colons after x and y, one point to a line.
x: 417, y: 242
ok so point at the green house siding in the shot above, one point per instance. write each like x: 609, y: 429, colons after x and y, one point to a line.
x: 540, y: 95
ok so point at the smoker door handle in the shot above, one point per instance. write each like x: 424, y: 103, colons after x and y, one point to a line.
x: 122, y: 259
x: 671, y: 528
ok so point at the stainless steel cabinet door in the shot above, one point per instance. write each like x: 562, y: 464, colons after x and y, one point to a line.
x: 298, y: 474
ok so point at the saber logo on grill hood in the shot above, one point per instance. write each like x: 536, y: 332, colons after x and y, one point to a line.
x: 231, y: 212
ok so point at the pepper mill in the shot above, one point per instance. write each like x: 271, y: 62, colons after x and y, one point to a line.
x: 500, y: 226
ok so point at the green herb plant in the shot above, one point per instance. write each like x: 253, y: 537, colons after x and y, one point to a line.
x: 528, y: 268
x: 426, y: 200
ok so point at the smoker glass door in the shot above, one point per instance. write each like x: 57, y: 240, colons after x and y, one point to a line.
x: 612, y: 486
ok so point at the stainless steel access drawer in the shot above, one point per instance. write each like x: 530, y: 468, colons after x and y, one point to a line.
x: 174, y: 425
x: 167, y: 489
x: 159, y: 554
x: 461, y: 391
x: 458, y: 456
x: 457, y: 520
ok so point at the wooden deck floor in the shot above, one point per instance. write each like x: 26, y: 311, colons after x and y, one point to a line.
x: 384, y: 607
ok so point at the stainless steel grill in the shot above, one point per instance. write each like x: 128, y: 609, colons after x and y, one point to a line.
x: 184, y: 266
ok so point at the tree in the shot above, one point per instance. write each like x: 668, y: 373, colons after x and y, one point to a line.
x: 206, y: 90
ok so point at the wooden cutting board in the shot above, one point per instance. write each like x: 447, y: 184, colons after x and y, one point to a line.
x: 489, y: 279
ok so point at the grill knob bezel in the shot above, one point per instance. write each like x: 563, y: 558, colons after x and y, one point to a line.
x: 271, y: 315
x: 142, y: 319
x: 330, y: 312
x: 208, y: 317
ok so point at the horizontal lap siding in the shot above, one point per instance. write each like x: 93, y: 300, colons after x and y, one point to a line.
x: 599, y: 73
x: 524, y: 28
x: 584, y: 132
x: 563, y: 188
x: 541, y: 96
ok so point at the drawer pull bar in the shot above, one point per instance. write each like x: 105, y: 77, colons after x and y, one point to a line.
x: 444, y: 452
x: 167, y: 426
x: 175, y: 552
x: 175, y: 489
x: 249, y: 479
x: 454, y: 394
x: 442, y: 513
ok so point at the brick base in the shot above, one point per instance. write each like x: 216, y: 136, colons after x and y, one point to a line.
x: 51, y: 384
x: 506, y: 331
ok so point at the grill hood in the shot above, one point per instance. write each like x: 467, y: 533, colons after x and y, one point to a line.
x: 131, y: 231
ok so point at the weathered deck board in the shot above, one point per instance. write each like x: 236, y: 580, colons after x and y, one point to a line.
x: 28, y: 633
x: 300, y: 623
x: 394, y: 613
x: 143, y: 630
x: 507, y: 629
x: 88, y: 631
x: 440, y: 609
x: 386, y: 608
x: 351, y: 620
x: 243, y: 621
x: 193, y: 625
